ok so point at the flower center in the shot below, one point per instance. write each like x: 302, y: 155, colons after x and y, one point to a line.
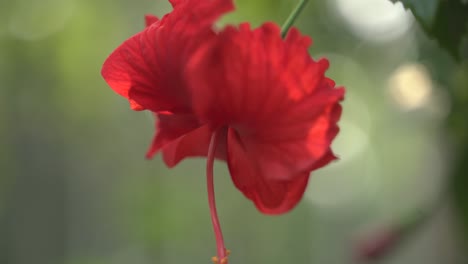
x: 222, y: 253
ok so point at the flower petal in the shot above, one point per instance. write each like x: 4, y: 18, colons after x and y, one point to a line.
x: 132, y: 71
x: 181, y: 136
x: 150, y: 19
x: 269, y: 196
x: 170, y: 127
x: 281, y: 110
x: 147, y: 68
x: 273, y: 94
x: 193, y: 144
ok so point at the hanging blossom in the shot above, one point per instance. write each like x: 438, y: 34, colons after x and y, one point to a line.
x: 245, y: 96
x: 147, y: 69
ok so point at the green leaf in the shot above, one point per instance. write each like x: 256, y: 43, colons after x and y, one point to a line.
x: 444, y: 20
x: 424, y: 11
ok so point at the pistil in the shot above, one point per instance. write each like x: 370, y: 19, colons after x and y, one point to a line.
x: 222, y: 254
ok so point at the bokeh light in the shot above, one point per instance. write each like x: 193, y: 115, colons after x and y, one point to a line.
x: 410, y: 86
x: 375, y: 20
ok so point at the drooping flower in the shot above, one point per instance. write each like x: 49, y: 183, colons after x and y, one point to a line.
x: 275, y: 109
x: 245, y: 96
x: 147, y: 69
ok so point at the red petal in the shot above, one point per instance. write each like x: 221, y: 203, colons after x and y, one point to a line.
x: 281, y: 109
x: 269, y: 196
x: 197, y: 14
x: 181, y: 136
x: 147, y: 68
x: 193, y: 144
x: 135, y: 71
x: 174, y: 3
x: 275, y: 96
x: 150, y: 19
x: 170, y: 127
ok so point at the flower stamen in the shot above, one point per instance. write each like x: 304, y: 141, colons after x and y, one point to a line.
x: 221, y: 250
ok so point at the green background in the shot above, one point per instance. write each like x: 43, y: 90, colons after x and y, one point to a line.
x: 75, y: 187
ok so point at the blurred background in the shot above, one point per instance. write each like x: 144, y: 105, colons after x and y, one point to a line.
x: 75, y: 187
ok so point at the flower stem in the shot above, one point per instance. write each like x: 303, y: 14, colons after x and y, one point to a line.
x: 221, y: 250
x: 292, y: 17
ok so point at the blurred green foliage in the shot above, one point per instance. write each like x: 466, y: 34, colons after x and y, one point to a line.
x: 444, y: 20
x: 447, y: 21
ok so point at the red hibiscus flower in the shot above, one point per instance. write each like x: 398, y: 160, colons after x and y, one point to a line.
x: 245, y: 96
x: 147, y: 69
x: 276, y: 111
